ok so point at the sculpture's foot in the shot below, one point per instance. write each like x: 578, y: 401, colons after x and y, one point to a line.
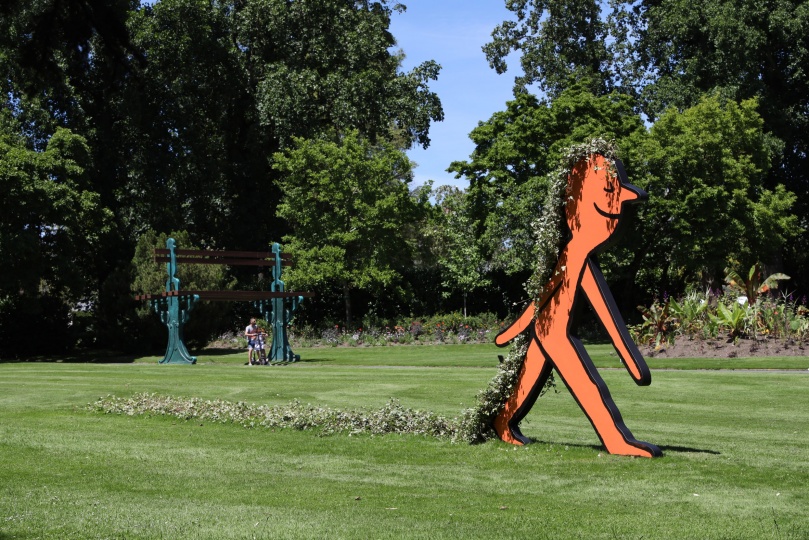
x: 511, y: 435
x: 635, y: 448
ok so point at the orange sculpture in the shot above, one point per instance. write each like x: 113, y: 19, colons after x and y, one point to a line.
x: 597, y: 191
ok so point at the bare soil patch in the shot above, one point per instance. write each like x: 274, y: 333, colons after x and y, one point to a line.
x: 721, y: 348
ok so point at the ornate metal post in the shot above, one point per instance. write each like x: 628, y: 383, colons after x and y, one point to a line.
x: 279, y: 312
x: 174, y: 313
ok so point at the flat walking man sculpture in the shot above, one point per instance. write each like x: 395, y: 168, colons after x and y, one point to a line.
x: 597, y: 192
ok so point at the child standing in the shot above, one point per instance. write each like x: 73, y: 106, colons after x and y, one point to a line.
x: 261, y: 337
x: 251, y: 333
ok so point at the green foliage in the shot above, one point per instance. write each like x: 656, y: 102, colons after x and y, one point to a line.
x: 51, y: 233
x: 658, y: 323
x: 735, y: 318
x: 476, y: 422
x: 230, y: 83
x: 704, y: 170
x: 196, y: 158
x: 669, y: 56
x: 456, y: 248
x: 52, y: 222
x: 351, y: 213
x: 516, y: 160
x: 691, y: 315
x: 182, y: 103
x: 559, y: 43
x: 327, y: 65
x: 698, y: 316
x: 450, y: 328
x: 754, y: 284
x: 744, y: 48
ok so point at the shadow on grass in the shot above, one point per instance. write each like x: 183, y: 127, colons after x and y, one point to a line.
x: 85, y: 357
x: 319, y: 360
x: 220, y: 352
x: 598, y: 447
x: 689, y: 450
x: 570, y: 445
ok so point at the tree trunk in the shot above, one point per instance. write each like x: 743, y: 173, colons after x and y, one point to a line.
x: 347, y: 299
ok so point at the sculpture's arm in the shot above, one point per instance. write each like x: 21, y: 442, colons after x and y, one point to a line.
x: 521, y: 324
x: 600, y: 297
x: 517, y: 327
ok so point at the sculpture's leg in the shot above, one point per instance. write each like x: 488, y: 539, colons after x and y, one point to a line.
x: 279, y: 337
x: 534, y: 374
x: 590, y: 392
x: 279, y: 319
x: 174, y: 316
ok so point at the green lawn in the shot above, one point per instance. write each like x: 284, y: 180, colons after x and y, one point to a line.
x: 736, y: 461
x: 478, y: 355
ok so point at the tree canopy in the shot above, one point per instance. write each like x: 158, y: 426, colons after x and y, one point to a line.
x: 704, y: 169
x: 50, y: 232
x: 351, y: 212
x: 182, y: 105
x: 669, y: 56
x: 515, y: 152
x: 239, y: 122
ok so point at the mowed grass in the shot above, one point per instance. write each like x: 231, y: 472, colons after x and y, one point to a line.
x: 736, y: 461
x: 478, y: 355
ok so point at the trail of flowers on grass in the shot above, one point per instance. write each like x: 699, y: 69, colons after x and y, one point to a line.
x: 391, y: 418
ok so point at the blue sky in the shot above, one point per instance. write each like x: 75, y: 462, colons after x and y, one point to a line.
x: 452, y: 32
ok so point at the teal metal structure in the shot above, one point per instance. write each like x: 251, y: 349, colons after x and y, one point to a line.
x: 174, y: 312
x: 174, y: 306
x: 279, y: 312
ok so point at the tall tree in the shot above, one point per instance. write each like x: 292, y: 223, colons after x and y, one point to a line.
x: 228, y: 84
x: 328, y: 65
x: 704, y: 170
x: 561, y: 41
x: 49, y: 235
x: 742, y: 49
x: 182, y: 103
x: 463, y: 268
x: 671, y: 54
x: 515, y: 152
x: 350, y: 209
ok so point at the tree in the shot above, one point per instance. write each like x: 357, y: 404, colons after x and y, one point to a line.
x: 670, y: 54
x: 561, y: 41
x: 458, y: 255
x: 50, y: 235
x: 704, y: 170
x: 182, y: 103
x: 515, y: 152
x: 350, y: 209
x: 741, y: 49
x: 322, y: 66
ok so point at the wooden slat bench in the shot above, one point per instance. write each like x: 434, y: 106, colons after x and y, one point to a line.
x: 173, y: 305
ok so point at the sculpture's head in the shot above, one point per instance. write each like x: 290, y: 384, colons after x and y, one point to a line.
x: 597, y: 192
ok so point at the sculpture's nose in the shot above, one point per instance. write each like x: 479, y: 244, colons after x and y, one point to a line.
x: 631, y: 193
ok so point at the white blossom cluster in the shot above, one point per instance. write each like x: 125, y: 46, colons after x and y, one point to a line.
x: 391, y: 418
x: 476, y: 423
